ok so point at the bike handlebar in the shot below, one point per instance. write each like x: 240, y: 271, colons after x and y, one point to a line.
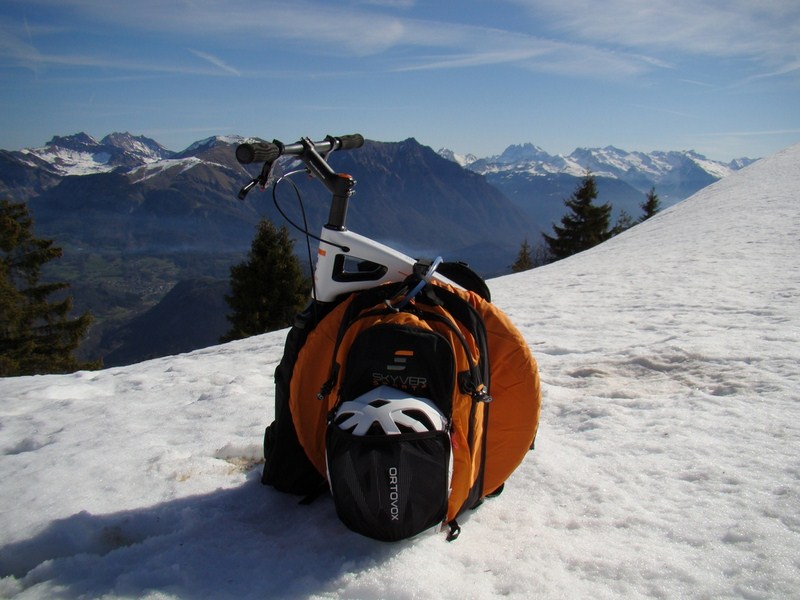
x: 314, y: 155
x: 269, y: 151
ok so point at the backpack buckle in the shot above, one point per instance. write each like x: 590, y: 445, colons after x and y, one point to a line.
x: 423, y: 270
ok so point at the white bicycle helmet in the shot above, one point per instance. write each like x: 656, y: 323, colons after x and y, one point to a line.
x: 389, y: 411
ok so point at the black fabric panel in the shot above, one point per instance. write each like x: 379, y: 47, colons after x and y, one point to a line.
x: 389, y: 487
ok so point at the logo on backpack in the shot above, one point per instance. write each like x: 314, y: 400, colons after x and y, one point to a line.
x: 400, y: 360
x: 396, y: 373
x: 394, y: 494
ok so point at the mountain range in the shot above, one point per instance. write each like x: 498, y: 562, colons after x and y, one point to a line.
x: 537, y: 182
x: 135, y: 218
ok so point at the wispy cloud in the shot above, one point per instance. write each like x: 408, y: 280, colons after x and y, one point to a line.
x: 467, y: 46
x: 766, y: 31
x: 360, y: 28
x: 764, y: 133
x: 367, y: 29
x: 583, y: 38
x: 702, y: 84
x: 216, y: 61
x: 786, y: 69
x: 665, y: 111
x: 472, y: 59
x: 39, y: 60
x: 388, y: 3
x: 17, y: 49
x: 27, y: 30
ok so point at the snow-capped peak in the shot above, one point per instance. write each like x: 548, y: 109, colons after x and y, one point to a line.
x: 212, y: 142
x: 81, y: 154
x: 78, y: 141
x: 610, y: 161
x: 460, y: 159
x: 517, y: 153
x: 149, y: 150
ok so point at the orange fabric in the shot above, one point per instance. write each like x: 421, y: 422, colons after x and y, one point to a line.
x: 515, y: 388
x: 516, y: 391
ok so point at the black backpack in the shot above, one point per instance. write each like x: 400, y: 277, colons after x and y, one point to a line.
x: 287, y: 467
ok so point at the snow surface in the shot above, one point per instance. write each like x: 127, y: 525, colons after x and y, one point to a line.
x: 68, y: 161
x: 141, y: 173
x: 667, y: 464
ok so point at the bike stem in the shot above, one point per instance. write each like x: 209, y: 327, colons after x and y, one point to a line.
x: 340, y: 185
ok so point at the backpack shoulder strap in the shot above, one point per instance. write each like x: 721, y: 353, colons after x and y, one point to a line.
x: 463, y: 311
x: 460, y: 273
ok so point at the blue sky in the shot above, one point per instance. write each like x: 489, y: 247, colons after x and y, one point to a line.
x: 721, y: 77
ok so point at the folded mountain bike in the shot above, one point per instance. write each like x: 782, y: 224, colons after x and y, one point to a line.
x: 382, y: 395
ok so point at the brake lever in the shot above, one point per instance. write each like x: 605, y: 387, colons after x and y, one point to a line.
x: 260, y: 180
x: 243, y: 192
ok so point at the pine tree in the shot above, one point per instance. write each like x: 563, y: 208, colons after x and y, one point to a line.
x: 36, y: 334
x: 524, y: 260
x: 268, y: 289
x: 585, y: 226
x: 651, y: 205
x: 624, y: 221
x: 541, y: 255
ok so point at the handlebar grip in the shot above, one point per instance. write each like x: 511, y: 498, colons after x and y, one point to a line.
x: 350, y: 142
x: 257, y: 152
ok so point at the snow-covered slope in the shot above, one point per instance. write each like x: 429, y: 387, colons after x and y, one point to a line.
x: 667, y: 463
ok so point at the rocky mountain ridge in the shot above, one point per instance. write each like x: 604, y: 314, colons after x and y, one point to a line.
x: 675, y: 174
x: 81, y: 154
x: 607, y: 161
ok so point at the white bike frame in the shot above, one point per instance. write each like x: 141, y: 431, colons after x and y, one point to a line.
x: 339, y: 272
x: 346, y: 261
